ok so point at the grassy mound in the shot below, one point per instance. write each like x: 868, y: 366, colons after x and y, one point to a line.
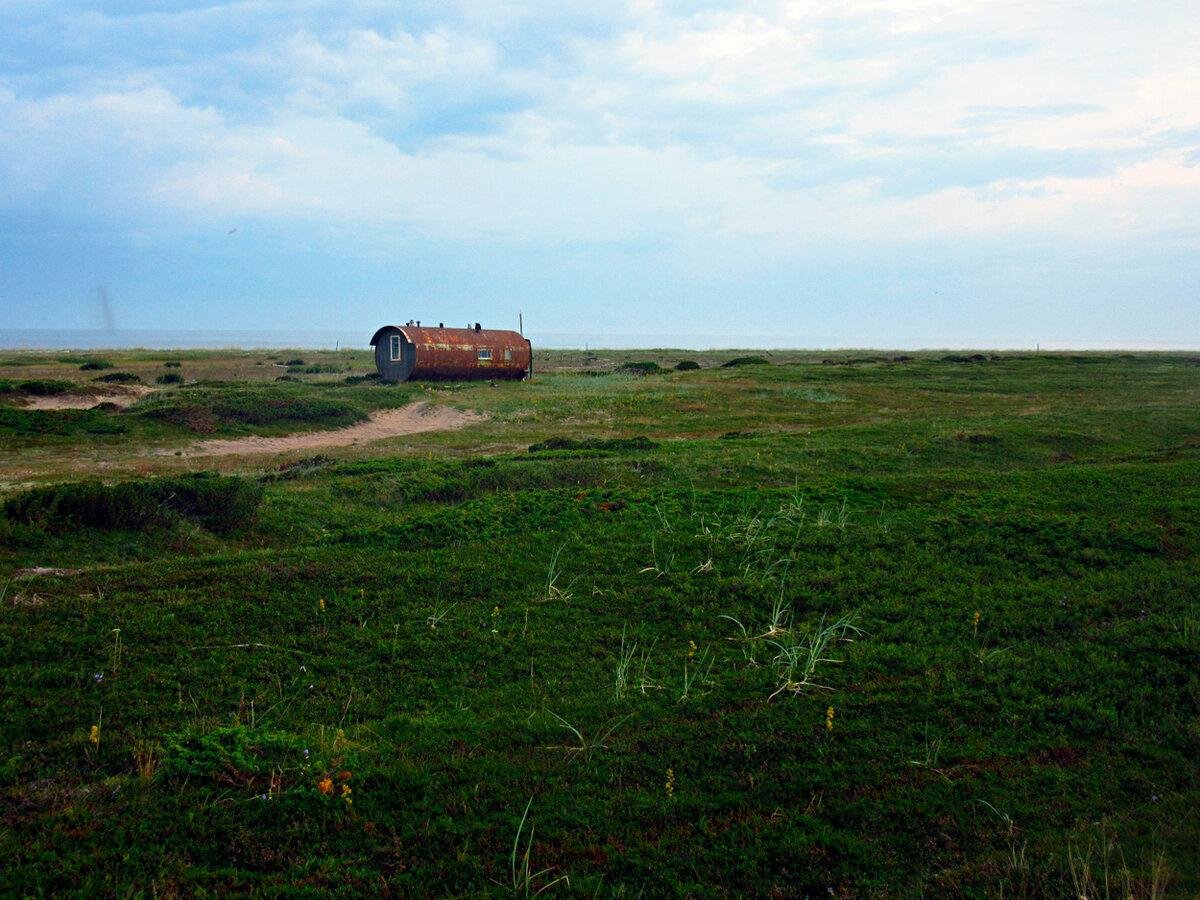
x: 58, y: 422
x: 745, y: 361
x: 221, y: 504
x: 234, y: 408
x: 558, y: 443
x: 639, y: 368
x: 36, y: 387
x: 119, y: 378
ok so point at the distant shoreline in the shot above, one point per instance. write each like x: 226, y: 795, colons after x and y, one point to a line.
x: 87, y: 340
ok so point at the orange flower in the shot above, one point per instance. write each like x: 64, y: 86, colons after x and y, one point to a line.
x: 343, y: 775
x: 325, y: 785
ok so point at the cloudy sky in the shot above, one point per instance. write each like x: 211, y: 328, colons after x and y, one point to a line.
x: 883, y: 173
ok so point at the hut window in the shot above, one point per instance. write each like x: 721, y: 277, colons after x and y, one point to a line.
x: 485, y: 353
x: 508, y: 356
x: 395, y: 347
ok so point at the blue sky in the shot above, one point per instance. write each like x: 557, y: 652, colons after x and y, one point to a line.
x: 885, y: 173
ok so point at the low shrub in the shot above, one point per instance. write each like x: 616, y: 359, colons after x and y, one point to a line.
x: 217, y: 502
x: 314, y: 369
x: 745, y: 361
x: 169, y: 378
x: 635, y: 444
x: 207, y: 408
x: 686, y: 365
x: 372, y: 378
x: 36, y: 387
x: 59, y: 422
x: 969, y: 357
x: 639, y: 368
x: 234, y: 755
x: 172, y: 364
x: 119, y: 378
x: 294, y: 362
x: 94, y: 365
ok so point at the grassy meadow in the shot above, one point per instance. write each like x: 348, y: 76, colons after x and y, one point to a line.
x: 848, y: 624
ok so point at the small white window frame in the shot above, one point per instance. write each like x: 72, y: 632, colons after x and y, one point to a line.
x: 394, y: 348
x: 484, y: 354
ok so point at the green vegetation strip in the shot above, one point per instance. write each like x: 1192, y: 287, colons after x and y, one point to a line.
x: 925, y: 628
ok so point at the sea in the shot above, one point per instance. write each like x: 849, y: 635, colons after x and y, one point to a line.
x: 166, y: 339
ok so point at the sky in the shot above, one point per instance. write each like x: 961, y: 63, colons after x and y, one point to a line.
x: 890, y: 173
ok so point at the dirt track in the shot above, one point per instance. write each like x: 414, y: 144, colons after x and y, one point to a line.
x: 412, y: 419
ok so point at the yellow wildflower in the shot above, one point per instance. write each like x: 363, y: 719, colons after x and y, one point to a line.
x: 346, y: 792
x: 94, y: 735
x: 691, y: 649
x: 321, y: 604
x: 670, y: 785
x: 829, y: 719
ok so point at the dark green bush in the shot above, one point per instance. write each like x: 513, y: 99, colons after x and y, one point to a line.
x: 233, y: 755
x: 294, y: 362
x: 636, y: 443
x: 207, y: 408
x: 33, y: 422
x: 119, y: 378
x: 36, y: 387
x: 169, y: 378
x: 93, y: 365
x: 313, y: 370
x: 745, y: 361
x: 172, y: 364
x: 217, y: 502
x: 686, y: 365
x: 639, y: 368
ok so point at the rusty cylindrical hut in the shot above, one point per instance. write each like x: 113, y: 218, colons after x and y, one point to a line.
x: 404, y: 352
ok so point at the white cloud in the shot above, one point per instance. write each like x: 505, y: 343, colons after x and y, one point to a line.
x: 774, y: 122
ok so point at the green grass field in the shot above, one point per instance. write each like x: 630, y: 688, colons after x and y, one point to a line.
x: 848, y: 624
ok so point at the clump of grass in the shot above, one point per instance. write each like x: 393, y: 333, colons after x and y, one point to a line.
x: 523, y: 881
x: 172, y: 364
x: 297, y: 361
x: 169, y: 378
x: 588, y: 745
x: 552, y: 590
x: 687, y: 365
x: 799, y: 658
x: 219, y: 503
x: 119, y: 378
x: 94, y: 365
x: 624, y: 663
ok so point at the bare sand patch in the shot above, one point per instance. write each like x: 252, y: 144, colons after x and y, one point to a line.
x: 412, y: 419
x: 119, y: 394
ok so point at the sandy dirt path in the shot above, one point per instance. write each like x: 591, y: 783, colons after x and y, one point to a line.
x: 412, y: 419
